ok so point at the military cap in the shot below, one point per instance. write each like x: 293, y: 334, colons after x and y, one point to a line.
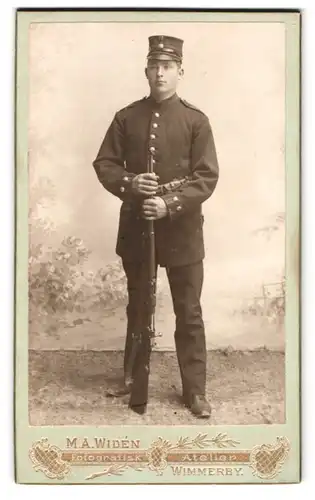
x: 165, y: 48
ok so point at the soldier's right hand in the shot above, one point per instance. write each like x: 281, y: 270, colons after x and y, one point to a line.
x: 145, y: 184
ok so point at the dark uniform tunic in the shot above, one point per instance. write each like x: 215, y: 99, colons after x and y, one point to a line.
x: 180, y: 139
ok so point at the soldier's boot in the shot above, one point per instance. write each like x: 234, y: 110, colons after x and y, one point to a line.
x: 121, y: 390
x: 117, y: 392
x: 198, y: 405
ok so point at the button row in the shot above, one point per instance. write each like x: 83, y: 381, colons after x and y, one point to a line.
x: 152, y: 149
x: 122, y: 189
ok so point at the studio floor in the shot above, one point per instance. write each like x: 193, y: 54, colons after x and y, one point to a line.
x: 69, y: 388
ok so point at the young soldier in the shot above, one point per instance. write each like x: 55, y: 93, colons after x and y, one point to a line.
x: 179, y: 137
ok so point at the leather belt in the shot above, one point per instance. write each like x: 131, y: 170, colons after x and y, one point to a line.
x: 171, y: 186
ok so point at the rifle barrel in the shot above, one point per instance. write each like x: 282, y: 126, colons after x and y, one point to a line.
x: 151, y: 231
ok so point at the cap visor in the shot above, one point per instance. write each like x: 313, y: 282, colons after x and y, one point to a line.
x: 160, y: 56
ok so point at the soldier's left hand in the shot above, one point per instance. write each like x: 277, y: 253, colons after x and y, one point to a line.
x: 154, y: 208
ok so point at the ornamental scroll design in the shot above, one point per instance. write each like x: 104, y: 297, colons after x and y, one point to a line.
x: 266, y: 460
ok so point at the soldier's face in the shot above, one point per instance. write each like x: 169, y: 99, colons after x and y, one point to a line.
x: 163, y: 76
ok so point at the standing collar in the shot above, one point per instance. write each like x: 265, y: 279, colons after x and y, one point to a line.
x: 163, y: 104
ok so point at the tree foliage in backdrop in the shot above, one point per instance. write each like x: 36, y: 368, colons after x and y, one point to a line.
x: 60, y: 279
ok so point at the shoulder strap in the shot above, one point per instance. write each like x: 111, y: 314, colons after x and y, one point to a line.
x: 132, y: 104
x: 191, y: 106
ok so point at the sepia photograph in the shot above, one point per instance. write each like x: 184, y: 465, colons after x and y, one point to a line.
x: 156, y: 223
x: 157, y: 247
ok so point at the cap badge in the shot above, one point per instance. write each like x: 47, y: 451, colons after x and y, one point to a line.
x: 161, y: 45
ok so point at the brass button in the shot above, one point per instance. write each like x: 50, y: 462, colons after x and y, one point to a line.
x: 179, y: 208
x: 126, y: 179
x: 152, y: 149
x: 157, y: 115
x: 175, y: 198
x: 122, y: 189
x: 155, y: 125
x: 152, y: 136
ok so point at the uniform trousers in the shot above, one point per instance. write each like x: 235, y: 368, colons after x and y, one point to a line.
x: 186, y: 286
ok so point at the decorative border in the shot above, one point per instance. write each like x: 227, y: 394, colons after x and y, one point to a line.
x: 265, y: 460
x: 26, y: 435
x: 48, y: 459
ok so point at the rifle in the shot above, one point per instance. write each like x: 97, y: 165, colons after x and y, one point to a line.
x: 138, y: 366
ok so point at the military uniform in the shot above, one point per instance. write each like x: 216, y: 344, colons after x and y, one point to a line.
x: 179, y: 137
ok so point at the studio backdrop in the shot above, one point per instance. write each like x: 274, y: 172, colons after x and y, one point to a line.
x: 80, y: 75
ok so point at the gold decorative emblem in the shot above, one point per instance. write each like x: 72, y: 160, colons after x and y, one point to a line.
x: 161, y: 45
x: 47, y: 459
x: 159, y: 450
x: 157, y: 455
x: 266, y: 460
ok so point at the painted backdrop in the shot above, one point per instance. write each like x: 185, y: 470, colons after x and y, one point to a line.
x: 80, y: 75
